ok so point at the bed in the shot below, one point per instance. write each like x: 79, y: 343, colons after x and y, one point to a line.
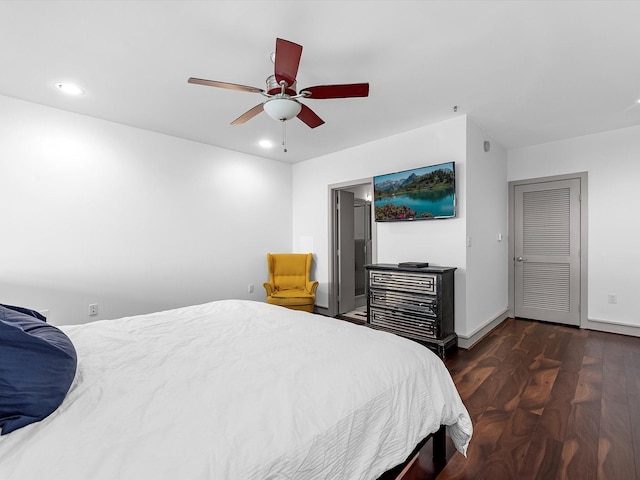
x: 237, y: 389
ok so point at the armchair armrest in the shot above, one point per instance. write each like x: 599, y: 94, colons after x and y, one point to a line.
x: 312, y: 286
x: 270, y: 288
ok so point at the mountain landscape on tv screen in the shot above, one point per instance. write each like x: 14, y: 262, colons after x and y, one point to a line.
x: 416, y: 195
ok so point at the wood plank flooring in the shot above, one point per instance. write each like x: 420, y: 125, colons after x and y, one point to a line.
x: 547, y: 402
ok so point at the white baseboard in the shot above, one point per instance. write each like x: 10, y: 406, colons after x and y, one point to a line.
x: 468, y: 341
x: 611, y: 327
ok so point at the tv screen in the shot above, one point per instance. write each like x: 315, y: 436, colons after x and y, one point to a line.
x: 419, y: 194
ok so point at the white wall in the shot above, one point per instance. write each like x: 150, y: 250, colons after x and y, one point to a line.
x: 487, y: 217
x: 440, y: 242
x: 97, y: 212
x: 612, y: 161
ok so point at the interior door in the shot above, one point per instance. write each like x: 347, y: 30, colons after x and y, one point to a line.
x: 346, y: 251
x: 547, y: 251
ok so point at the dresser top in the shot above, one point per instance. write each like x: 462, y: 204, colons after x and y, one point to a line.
x: 395, y: 267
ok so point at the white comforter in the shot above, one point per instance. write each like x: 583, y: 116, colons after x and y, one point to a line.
x: 237, y: 390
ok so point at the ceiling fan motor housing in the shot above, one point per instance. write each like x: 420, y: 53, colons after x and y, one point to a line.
x: 274, y: 88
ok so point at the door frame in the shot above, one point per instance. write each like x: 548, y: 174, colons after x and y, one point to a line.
x: 583, y: 177
x: 332, y: 310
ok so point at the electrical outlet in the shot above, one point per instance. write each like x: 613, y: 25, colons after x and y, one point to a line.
x: 93, y: 309
x: 613, y: 298
x: 250, y: 288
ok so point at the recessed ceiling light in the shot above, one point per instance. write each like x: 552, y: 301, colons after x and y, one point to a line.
x: 70, y: 88
x: 265, y: 143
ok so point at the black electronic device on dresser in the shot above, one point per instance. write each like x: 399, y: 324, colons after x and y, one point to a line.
x: 413, y: 301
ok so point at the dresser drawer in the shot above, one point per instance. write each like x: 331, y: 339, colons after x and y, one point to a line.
x: 403, y: 281
x: 407, y: 302
x: 403, y: 323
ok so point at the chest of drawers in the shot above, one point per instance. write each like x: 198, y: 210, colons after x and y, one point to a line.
x: 416, y: 303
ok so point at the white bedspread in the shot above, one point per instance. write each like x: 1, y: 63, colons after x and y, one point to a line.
x: 237, y: 390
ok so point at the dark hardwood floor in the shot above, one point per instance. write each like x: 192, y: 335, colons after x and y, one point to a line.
x: 547, y: 402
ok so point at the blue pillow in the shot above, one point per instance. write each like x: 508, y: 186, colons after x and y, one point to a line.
x: 37, y: 367
x: 28, y: 311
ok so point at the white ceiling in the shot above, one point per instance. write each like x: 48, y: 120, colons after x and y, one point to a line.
x: 527, y: 72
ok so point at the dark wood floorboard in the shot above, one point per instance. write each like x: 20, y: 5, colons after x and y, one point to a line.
x: 547, y: 402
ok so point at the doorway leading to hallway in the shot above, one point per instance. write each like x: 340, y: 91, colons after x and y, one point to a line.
x: 351, y: 243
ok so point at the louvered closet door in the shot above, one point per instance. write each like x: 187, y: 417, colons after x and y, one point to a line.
x: 547, y: 251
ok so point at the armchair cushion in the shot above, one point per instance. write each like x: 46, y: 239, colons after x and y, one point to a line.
x: 292, y: 297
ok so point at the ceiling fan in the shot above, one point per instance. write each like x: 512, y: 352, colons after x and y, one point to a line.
x: 282, y: 97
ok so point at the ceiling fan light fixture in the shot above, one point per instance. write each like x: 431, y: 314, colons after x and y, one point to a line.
x: 282, y: 108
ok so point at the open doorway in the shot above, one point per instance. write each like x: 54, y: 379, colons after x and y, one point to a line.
x: 351, y: 244
x: 362, y: 244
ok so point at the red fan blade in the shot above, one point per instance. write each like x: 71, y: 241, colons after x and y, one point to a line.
x: 338, y: 91
x: 248, y: 115
x: 230, y: 86
x: 287, y: 61
x: 309, y: 117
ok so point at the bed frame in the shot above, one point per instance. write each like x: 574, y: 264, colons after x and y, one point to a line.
x: 439, y: 455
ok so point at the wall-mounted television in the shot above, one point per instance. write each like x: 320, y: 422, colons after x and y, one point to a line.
x: 420, y: 194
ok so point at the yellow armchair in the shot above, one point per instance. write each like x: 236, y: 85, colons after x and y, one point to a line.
x: 289, y: 284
